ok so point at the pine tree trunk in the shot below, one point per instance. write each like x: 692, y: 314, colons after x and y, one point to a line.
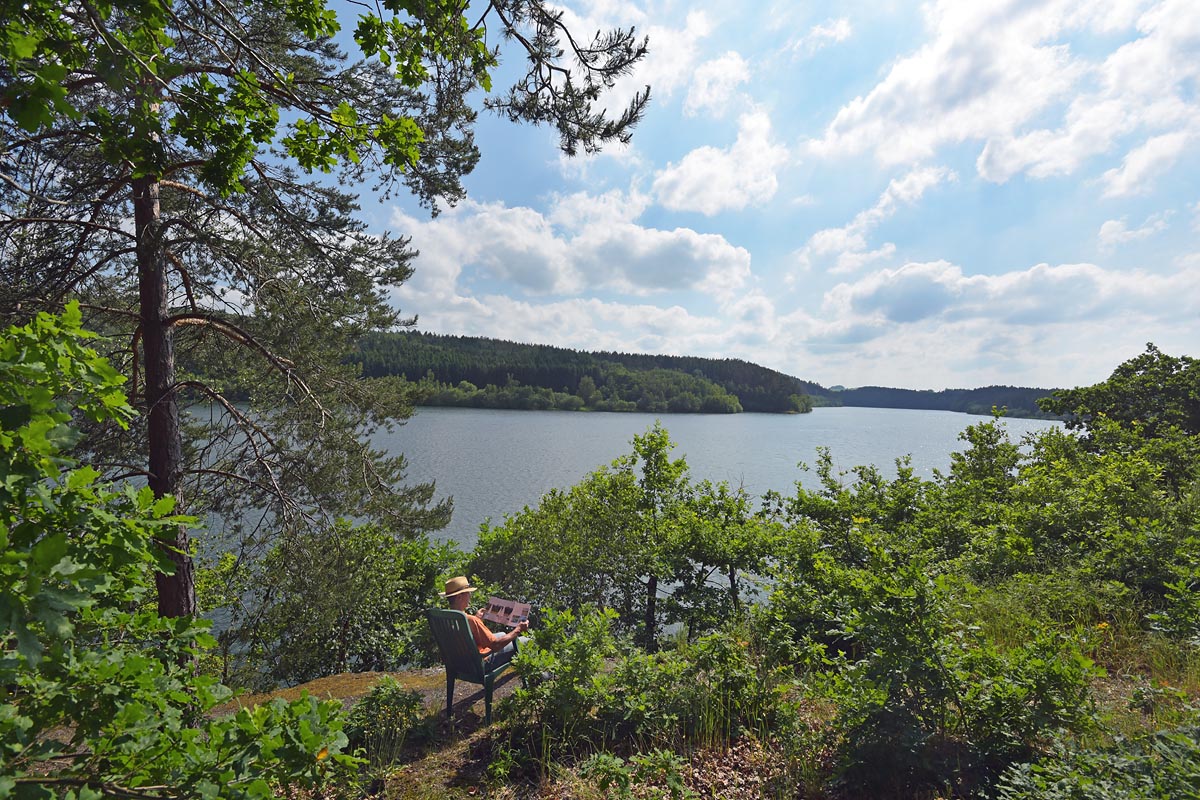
x: 177, y: 592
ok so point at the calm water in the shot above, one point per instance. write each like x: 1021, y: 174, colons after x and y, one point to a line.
x: 495, y: 462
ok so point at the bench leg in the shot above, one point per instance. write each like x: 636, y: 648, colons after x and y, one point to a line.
x: 487, y: 700
x: 449, y: 694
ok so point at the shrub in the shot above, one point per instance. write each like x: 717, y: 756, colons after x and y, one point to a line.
x: 1161, y: 766
x: 924, y: 703
x: 1180, y: 615
x: 382, y: 721
x: 590, y: 691
x: 325, y: 601
x: 97, y: 692
x: 617, y: 777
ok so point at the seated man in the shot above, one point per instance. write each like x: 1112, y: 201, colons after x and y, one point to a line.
x: 498, y: 647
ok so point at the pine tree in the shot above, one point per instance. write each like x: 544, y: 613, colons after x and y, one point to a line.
x: 148, y: 161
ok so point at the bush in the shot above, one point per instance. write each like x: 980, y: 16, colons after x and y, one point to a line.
x: 330, y: 600
x: 97, y: 692
x: 590, y: 691
x: 924, y: 703
x: 1180, y: 615
x: 617, y: 777
x: 382, y: 721
x: 1161, y: 766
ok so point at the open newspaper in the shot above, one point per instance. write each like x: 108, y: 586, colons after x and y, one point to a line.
x: 505, y: 612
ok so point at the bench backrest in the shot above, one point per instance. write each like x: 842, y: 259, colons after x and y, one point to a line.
x: 459, y: 651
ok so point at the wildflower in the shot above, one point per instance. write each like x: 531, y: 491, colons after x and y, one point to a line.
x: 323, y: 754
x: 1102, y: 626
x: 859, y: 520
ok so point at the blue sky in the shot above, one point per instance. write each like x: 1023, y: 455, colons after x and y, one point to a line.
x: 947, y: 194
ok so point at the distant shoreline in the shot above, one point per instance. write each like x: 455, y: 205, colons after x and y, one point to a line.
x: 478, y: 372
x: 1041, y: 416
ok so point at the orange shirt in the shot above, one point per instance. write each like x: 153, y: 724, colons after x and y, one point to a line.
x: 484, y: 638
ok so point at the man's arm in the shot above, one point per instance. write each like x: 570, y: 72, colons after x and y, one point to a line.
x: 495, y: 641
x: 504, y: 638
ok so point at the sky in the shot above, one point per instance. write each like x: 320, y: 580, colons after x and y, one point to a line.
x: 925, y: 195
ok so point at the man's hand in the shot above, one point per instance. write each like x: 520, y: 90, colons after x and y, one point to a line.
x: 522, y: 626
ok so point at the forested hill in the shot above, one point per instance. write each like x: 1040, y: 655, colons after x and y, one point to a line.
x: 460, y: 370
x: 1019, y: 401
x: 494, y: 373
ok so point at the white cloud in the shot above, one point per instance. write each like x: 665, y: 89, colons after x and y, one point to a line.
x: 585, y: 243
x: 930, y: 325
x: 714, y: 82
x: 1039, y: 296
x: 847, y: 246
x: 1188, y: 261
x: 1143, y: 163
x: 668, y: 67
x: 1004, y: 73
x: 1142, y: 87
x: 819, y: 36
x: 1115, y: 231
x: 984, y: 73
x: 674, y: 52
x: 1103, y: 89
x: 711, y: 180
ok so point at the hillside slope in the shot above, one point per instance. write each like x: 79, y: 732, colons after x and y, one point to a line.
x: 606, y: 381
x: 495, y: 373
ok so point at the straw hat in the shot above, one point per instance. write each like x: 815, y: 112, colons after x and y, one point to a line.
x: 457, y: 586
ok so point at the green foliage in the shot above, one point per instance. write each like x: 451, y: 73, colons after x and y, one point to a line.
x: 617, y: 777
x: 1180, y: 615
x: 1007, y: 610
x: 324, y: 602
x: 1004, y: 509
x: 653, y: 390
x: 620, y: 536
x: 800, y: 403
x: 925, y: 703
x: 229, y: 114
x: 193, y: 114
x: 920, y: 636
x: 97, y: 693
x: 1164, y: 765
x: 383, y: 720
x: 589, y: 690
x: 566, y: 552
x: 1155, y: 394
x: 564, y: 666
x: 65, y: 541
x: 716, y: 561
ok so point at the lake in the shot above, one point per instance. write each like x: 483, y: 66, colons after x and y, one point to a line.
x: 495, y: 462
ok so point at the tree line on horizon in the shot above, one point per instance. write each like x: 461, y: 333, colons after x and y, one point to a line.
x: 458, y: 370
x: 482, y: 372
x: 1014, y: 401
